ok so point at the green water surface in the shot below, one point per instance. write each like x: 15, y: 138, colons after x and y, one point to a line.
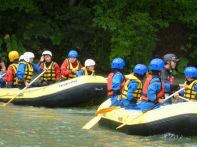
x: 43, y: 127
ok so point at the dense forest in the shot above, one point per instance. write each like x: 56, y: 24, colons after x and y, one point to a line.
x: 136, y: 30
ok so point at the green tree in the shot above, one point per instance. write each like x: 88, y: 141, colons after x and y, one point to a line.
x: 101, y: 29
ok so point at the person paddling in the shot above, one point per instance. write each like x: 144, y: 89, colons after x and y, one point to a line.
x: 153, y: 90
x: 88, y: 69
x: 190, y: 91
x: 132, y: 89
x: 25, y: 70
x: 154, y: 87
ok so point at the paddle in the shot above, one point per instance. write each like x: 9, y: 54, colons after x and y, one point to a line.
x: 105, y: 110
x: 6, y: 104
x: 122, y: 125
x: 92, y: 122
x: 1, y: 76
x: 96, y: 119
x: 184, y: 98
x: 99, y: 114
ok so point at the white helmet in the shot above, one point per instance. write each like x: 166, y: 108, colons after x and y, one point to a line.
x: 90, y: 62
x: 21, y: 57
x: 28, y: 55
x: 47, y: 53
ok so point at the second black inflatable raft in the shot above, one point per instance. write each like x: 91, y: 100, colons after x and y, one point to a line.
x: 78, y: 91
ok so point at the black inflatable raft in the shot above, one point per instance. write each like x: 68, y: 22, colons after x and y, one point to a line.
x: 82, y: 90
x: 180, y: 118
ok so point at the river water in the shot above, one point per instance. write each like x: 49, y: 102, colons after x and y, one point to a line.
x: 43, y: 127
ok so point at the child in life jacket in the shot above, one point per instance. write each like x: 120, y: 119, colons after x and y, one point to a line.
x: 70, y: 66
x: 132, y: 89
x: 153, y: 90
x: 53, y: 73
x: 116, y: 79
x: 88, y: 70
x: 190, y: 91
x: 10, y: 77
x: 25, y: 70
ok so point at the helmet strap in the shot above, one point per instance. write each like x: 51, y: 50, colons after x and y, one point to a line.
x: 171, y: 66
x: 140, y: 77
x: 156, y: 73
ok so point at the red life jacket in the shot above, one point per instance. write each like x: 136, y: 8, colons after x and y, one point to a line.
x: 160, y: 94
x: 109, y: 84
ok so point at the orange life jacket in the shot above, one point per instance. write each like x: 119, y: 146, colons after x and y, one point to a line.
x: 160, y: 94
x: 109, y: 84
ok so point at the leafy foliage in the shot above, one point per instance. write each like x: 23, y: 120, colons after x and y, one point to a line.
x: 134, y: 26
x: 182, y: 65
x: 101, y: 29
x: 11, y: 43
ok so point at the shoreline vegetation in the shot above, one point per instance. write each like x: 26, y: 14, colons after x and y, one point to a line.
x: 134, y: 30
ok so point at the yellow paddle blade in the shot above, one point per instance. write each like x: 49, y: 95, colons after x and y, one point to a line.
x: 105, y: 104
x: 105, y: 110
x: 92, y: 122
x: 122, y: 125
x: 184, y: 98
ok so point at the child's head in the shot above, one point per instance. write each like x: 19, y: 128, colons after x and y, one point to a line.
x: 140, y: 70
x: 117, y: 64
x: 73, y: 55
x: 47, y: 56
x: 29, y: 57
x: 13, y: 56
x: 89, y: 64
x: 190, y: 73
x: 156, y: 65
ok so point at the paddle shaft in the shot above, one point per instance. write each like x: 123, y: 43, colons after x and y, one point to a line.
x: 174, y: 94
x: 170, y: 96
x: 122, y: 125
x: 1, y: 76
x: 105, y: 110
x: 109, y: 109
x: 24, y: 88
x: 184, y: 98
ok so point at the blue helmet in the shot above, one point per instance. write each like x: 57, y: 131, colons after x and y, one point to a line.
x: 73, y: 54
x: 190, y: 72
x: 140, y: 69
x: 118, y: 63
x: 156, y: 64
